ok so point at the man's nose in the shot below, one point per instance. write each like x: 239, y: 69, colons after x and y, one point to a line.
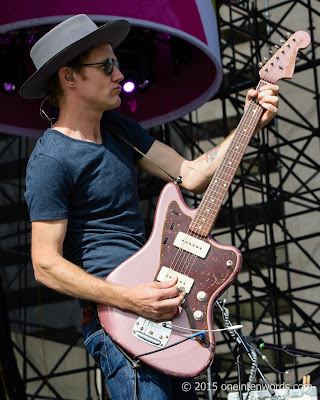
x: 117, y: 75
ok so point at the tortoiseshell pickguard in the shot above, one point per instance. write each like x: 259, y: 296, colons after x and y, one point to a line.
x: 208, y: 274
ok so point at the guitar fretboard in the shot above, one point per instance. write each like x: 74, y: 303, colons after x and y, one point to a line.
x: 211, y: 203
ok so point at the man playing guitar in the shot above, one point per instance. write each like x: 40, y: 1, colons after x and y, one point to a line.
x: 82, y: 195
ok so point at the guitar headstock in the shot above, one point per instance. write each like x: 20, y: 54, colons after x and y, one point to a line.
x: 282, y: 63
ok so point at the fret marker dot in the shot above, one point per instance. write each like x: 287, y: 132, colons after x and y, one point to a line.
x: 215, y: 181
x: 224, y: 185
x: 245, y: 130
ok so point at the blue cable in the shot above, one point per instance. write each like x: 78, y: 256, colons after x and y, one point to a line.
x: 202, y: 334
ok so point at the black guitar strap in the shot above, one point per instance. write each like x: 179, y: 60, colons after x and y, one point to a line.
x: 177, y: 180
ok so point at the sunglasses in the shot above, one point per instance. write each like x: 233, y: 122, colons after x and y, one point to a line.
x: 108, y: 65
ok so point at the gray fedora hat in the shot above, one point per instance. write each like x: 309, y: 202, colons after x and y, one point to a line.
x: 65, y: 42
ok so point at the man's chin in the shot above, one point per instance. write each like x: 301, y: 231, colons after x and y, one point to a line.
x: 115, y: 104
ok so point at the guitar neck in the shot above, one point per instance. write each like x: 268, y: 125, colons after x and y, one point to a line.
x: 212, y: 201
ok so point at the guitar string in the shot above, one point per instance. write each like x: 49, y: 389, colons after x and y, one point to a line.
x: 224, y: 171
x: 193, y: 234
x: 187, y: 257
x: 184, y: 264
x: 247, y: 116
x: 183, y: 253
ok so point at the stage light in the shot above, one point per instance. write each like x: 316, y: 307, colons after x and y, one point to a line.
x: 137, y: 56
x: 9, y: 87
x: 129, y: 87
x: 144, y: 85
x: 11, y: 68
x: 161, y: 55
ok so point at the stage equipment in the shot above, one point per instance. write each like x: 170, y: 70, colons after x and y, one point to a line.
x: 241, y: 346
x: 172, y: 55
x: 298, y: 392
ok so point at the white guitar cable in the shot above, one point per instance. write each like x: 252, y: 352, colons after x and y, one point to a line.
x: 204, y: 330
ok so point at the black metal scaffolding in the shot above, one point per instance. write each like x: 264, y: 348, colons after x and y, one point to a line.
x: 270, y: 214
x: 274, y: 199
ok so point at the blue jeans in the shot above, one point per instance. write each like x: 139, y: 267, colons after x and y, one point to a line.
x: 119, y: 374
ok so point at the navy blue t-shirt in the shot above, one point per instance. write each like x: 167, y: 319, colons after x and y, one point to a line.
x: 94, y: 187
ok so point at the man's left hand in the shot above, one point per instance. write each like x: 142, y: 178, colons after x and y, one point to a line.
x: 268, y: 99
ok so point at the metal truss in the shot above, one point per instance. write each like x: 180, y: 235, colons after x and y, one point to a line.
x: 273, y: 203
x: 270, y: 214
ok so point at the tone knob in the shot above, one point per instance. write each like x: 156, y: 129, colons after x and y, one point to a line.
x: 198, y: 315
x: 202, y: 296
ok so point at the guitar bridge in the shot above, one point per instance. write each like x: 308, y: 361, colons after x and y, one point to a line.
x: 154, y: 333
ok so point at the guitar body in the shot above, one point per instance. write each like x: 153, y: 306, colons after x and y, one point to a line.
x: 211, y: 274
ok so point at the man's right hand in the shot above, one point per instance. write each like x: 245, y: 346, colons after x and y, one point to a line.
x: 155, y: 300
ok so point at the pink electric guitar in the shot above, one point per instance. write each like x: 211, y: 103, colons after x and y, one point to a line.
x: 180, y: 245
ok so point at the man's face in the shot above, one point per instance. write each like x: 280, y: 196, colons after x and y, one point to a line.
x: 99, y: 90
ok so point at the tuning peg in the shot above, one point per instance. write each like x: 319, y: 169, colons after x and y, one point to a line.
x: 265, y: 59
x: 282, y: 40
x: 288, y: 35
x: 271, y: 52
x: 276, y: 46
x: 260, y: 64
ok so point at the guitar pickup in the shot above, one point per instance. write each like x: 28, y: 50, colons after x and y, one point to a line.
x: 191, y: 245
x: 184, y: 282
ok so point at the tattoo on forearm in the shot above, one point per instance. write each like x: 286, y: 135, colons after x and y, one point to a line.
x: 212, y: 155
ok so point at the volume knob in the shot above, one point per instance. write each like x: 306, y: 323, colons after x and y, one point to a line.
x: 202, y: 296
x: 198, y: 315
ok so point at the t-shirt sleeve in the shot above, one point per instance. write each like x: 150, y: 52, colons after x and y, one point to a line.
x: 47, y: 189
x: 132, y: 132
x: 142, y: 140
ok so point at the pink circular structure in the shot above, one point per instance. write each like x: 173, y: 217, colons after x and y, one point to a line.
x: 187, y: 67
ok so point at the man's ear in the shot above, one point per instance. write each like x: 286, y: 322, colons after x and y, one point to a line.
x: 66, y: 76
x: 70, y: 77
